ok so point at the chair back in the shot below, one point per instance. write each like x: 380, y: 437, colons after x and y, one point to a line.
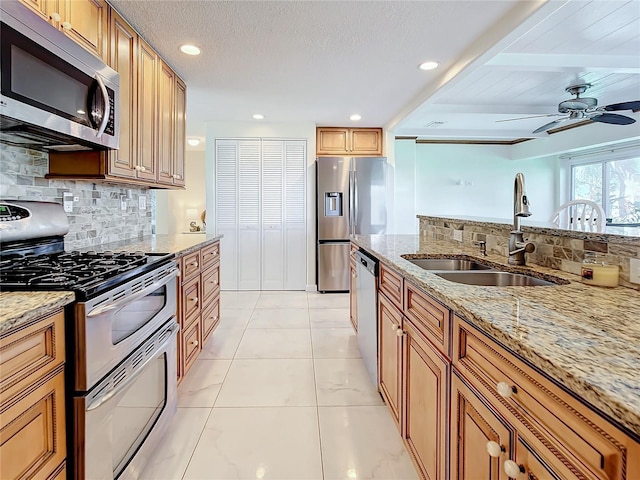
x: 580, y: 215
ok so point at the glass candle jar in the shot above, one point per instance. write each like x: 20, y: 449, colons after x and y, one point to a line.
x: 596, y: 270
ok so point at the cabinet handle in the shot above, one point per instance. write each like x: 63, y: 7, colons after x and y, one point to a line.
x: 512, y: 469
x: 214, y: 318
x: 140, y: 168
x: 194, y: 299
x: 353, y: 275
x: 194, y: 264
x: 55, y: 16
x: 505, y: 389
x: 214, y: 282
x: 399, y: 332
x: 194, y: 342
x: 66, y: 26
x: 494, y: 449
x: 176, y: 176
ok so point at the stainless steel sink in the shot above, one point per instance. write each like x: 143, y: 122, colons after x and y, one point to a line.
x: 447, y: 264
x: 494, y: 279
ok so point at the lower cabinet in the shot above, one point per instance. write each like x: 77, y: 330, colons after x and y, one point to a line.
x: 198, y: 303
x: 390, y: 356
x: 32, y: 401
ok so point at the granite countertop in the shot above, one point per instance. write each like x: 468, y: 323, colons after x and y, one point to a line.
x: 587, y: 338
x: 17, y: 308
x: 178, y: 244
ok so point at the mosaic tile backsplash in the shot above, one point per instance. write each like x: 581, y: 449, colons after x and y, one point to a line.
x: 96, y: 218
x: 552, y: 250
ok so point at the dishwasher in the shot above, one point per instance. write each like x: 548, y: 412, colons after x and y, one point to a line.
x: 367, y: 308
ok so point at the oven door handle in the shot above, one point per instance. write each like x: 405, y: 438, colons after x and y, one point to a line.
x: 139, y: 369
x: 131, y: 298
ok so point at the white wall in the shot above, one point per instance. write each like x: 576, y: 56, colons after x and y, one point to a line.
x: 472, y: 180
x: 268, y: 130
x: 405, y: 187
x: 172, y: 205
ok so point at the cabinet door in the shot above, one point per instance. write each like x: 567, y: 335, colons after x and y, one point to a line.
x: 353, y: 295
x: 473, y: 426
x: 390, y: 355
x: 123, y: 58
x: 38, y: 6
x: 147, y: 112
x: 166, y: 92
x: 180, y: 130
x: 332, y: 141
x: 85, y: 21
x: 530, y: 465
x: 366, y: 141
x: 426, y: 409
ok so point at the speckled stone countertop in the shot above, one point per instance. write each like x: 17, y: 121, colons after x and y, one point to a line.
x: 17, y: 308
x: 178, y: 244
x: 587, y: 338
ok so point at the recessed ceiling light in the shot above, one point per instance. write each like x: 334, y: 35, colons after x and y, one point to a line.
x: 194, y: 142
x: 355, y: 117
x: 428, y: 65
x: 258, y: 116
x: 190, y: 49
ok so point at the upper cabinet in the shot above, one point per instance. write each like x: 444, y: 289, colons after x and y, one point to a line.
x: 152, y: 111
x: 85, y: 21
x: 348, y: 141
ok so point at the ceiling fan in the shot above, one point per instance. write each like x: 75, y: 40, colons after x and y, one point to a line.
x: 585, y: 108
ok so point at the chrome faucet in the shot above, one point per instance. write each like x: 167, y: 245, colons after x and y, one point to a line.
x: 517, y: 246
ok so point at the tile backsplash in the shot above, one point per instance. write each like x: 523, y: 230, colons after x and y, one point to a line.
x: 96, y: 218
x: 553, y: 249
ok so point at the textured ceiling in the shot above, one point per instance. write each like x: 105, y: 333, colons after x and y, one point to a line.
x: 315, y: 61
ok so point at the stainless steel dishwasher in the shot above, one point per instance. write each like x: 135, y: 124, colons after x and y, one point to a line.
x: 367, y: 302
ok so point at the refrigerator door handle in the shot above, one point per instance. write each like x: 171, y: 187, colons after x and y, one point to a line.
x: 352, y: 227
x: 355, y: 203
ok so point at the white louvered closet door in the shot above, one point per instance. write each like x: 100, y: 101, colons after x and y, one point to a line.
x: 249, y: 215
x: 272, y: 215
x: 227, y: 211
x: 295, y: 264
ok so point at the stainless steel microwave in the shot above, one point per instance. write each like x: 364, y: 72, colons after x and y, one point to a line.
x: 55, y: 95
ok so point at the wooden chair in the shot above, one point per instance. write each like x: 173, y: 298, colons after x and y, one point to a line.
x: 580, y: 215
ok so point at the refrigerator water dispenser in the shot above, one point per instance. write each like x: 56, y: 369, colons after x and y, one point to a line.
x: 333, y: 204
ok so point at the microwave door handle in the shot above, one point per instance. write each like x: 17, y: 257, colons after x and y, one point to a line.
x: 138, y: 370
x: 131, y: 298
x: 107, y: 106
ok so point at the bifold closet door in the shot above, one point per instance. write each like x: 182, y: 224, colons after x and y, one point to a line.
x: 272, y: 215
x: 295, y: 237
x: 227, y: 211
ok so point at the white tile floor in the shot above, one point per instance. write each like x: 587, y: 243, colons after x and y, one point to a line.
x: 280, y: 392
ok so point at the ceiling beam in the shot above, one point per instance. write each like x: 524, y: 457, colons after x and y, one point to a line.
x: 537, y: 62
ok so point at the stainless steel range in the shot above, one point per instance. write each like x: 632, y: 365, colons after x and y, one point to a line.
x: 121, y: 348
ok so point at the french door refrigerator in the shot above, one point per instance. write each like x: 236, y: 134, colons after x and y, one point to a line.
x: 351, y: 199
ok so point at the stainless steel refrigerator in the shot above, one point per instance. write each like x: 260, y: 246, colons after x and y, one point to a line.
x: 351, y: 199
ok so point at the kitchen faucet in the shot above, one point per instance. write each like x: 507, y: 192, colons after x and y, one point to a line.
x: 517, y: 246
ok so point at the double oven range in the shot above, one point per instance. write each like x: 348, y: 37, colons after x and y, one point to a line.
x: 121, y: 348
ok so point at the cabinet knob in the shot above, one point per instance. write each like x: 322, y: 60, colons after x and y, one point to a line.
x: 176, y: 176
x: 66, y: 26
x: 194, y: 299
x: 354, y: 275
x: 505, y: 389
x: 194, y: 342
x: 399, y: 332
x: 143, y: 168
x: 494, y: 449
x: 512, y: 469
x: 194, y: 264
x: 214, y: 318
x: 214, y: 282
x: 394, y: 326
x: 55, y: 16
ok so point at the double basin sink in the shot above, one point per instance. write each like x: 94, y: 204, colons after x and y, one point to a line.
x: 470, y: 272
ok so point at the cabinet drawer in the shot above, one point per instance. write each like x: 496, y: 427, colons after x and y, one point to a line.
x: 29, y: 353
x: 391, y: 284
x: 210, y: 319
x: 190, y: 265
x: 191, y: 301
x: 191, y: 340
x: 551, y: 419
x: 210, y: 255
x: 32, y: 436
x: 430, y: 317
x: 210, y: 284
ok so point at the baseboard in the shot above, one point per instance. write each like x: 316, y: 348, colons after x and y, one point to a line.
x: 312, y: 288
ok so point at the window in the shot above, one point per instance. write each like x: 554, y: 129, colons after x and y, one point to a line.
x: 614, y: 184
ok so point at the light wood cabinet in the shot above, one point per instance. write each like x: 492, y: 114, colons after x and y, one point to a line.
x: 199, y: 303
x: 390, y: 356
x: 348, y: 141
x: 180, y: 133
x: 425, y: 403
x: 166, y: 99
x: 32, y: 400
x: 390, y: 283
x: 147, y: 112
x: 429, y: 316
x: 84, y: 21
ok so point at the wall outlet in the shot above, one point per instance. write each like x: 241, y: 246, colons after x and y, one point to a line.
x: 457, y: 235
x: 142, y: 203
x: 123, y: 203
x: 634, y: 273
x: 67, y: 202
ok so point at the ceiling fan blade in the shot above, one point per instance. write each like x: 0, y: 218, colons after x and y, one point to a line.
x: 635, y: 105
x: 613, y: 118
x: 549, y: 125
x: 532, y: 116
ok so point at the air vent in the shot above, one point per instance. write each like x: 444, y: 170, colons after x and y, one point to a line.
x: 434, y: 124
x: 137, y: 359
